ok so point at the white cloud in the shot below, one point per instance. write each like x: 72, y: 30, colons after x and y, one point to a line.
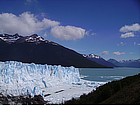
x: 127, y: 35
x: 130, y: 28
x: 68, y: 32
x: 118, y: 53
x: 27, y: 24
x: 24, y: 24
x: 105, y: 53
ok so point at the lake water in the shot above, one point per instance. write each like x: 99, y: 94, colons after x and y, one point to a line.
x: 106, y: 75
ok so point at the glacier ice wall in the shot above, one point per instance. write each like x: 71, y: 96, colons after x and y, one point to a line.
x: 17, y: 78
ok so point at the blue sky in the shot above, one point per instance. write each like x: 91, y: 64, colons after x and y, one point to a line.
x: 109, y: 28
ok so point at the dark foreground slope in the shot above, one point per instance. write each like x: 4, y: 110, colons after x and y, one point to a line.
x: 21, y: 100
x: 125, y: 91
x: 43, y: 52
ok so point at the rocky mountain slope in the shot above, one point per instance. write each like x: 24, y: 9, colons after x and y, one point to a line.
x: 35, y: 49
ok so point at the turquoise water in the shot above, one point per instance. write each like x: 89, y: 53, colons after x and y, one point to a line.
x: 105, y: 75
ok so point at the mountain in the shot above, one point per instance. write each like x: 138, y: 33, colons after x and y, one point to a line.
x: 35, y: 49
x: 126, y: 63
x: 98, y: 60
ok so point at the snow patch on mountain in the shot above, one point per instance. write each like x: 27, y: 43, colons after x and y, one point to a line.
x: 18, y: 38
x: 98, y: 59
x: 13, y: 38
x: 9, y: 38
x: 91, y: 56
x: 34, y: 38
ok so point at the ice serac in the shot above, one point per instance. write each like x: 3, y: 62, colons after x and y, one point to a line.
x: 19, y: 78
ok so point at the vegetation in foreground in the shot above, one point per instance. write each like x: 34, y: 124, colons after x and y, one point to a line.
x: 21, y: 100
x: 125, y: 91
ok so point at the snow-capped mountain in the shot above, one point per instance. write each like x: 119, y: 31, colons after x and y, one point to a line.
x: 34, y: 38
x: 16, y: 37
x: 125, y: 63
x: 35, y: 49
x: 9, y: 38
x: 98, y: 60
x: 21, y: 39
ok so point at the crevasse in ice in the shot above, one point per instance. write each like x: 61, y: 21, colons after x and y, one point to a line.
x: 21, y: 78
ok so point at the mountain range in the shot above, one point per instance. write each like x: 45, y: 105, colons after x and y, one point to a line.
x: 98, y: 60
x: 35, y: 49
x: 125, y: 63
x: 113, y: 62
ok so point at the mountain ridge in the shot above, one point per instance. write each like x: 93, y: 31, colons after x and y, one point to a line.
x: 98, y: 59
x: 125, y: 63
x: 34, y: 49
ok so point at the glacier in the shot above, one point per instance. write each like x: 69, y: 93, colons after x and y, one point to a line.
x: 33, y: 77
x: 55, y: 83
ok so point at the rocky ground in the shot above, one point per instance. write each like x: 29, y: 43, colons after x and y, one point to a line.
x: 21, y: 100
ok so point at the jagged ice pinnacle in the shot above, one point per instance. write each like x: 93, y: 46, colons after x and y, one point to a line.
x: 17, y: 78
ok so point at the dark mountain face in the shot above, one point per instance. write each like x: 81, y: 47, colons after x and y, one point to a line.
x: 99, y: 60
x: 113, y: 61
x: 34, y: 49
x: 126, y: 63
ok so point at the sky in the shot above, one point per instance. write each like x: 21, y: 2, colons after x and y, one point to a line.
x: 109, y: 28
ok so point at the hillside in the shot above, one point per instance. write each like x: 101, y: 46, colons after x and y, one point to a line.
x: 125, y: 91
x: 34, y: 49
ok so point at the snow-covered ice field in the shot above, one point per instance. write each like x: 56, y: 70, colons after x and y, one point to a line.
x: 64, y: 92
x: 55, y: 83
